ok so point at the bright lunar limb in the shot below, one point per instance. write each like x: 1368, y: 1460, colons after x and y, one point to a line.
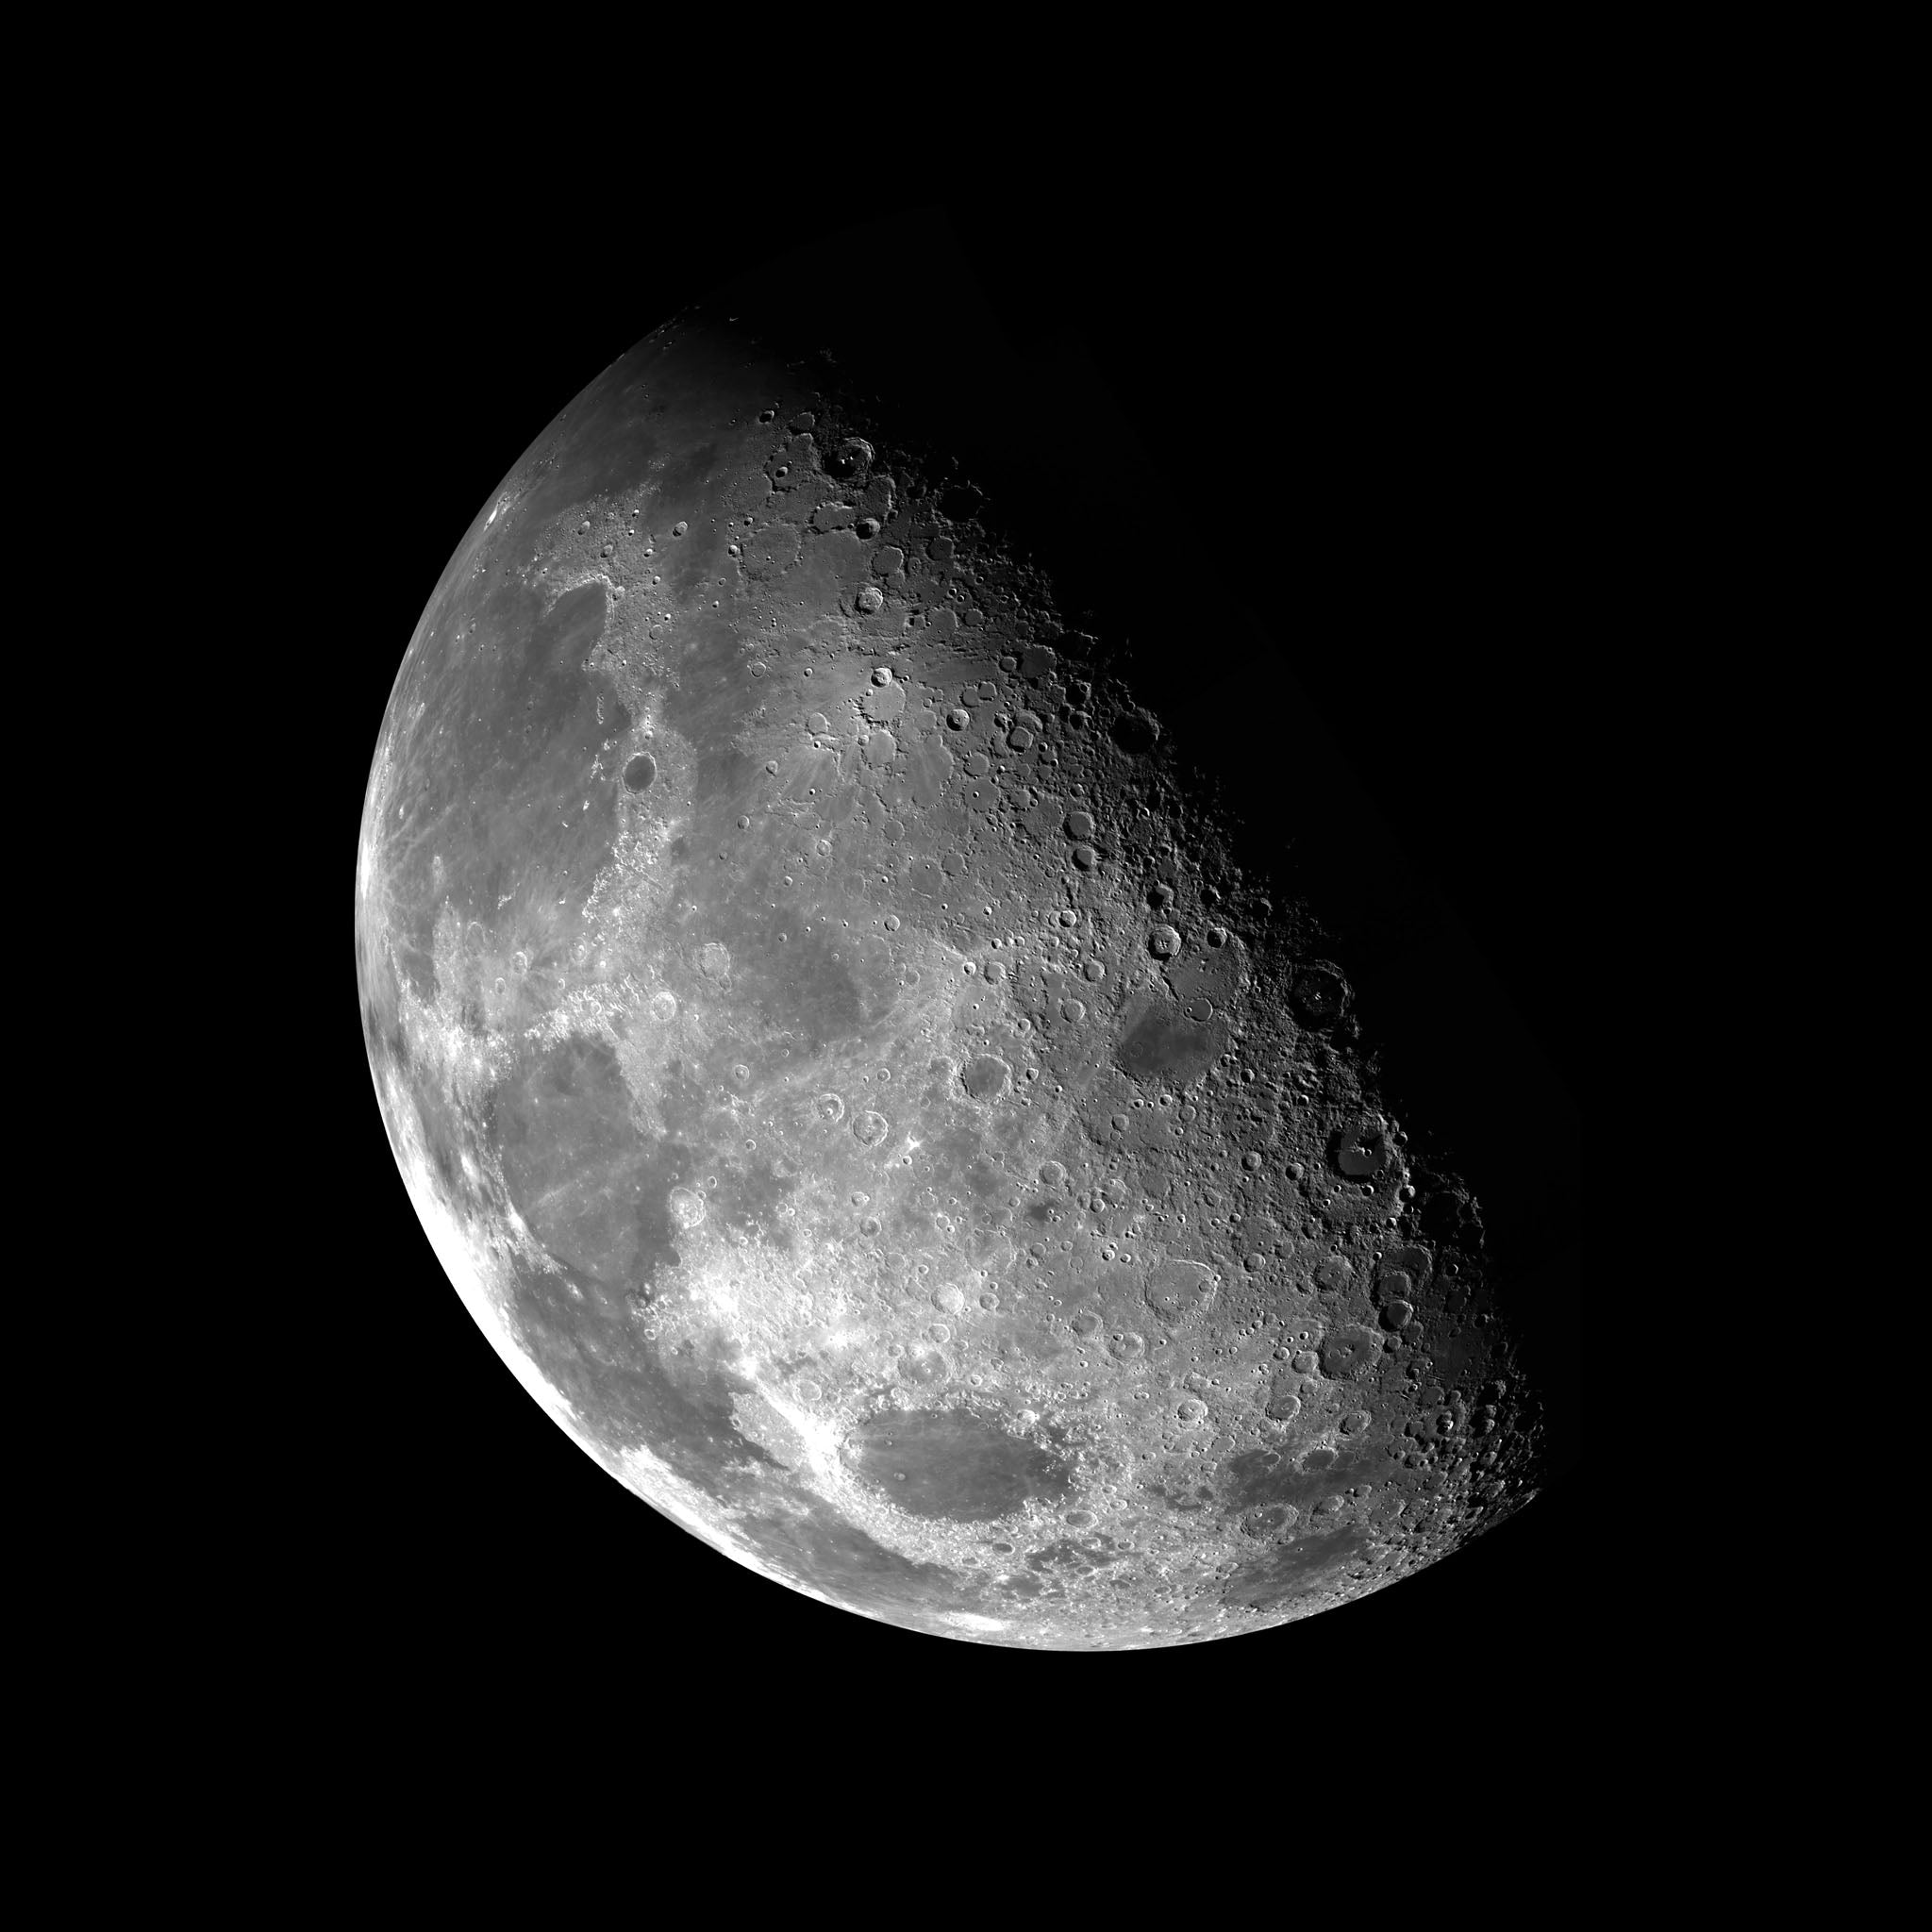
x: 856, y: 1086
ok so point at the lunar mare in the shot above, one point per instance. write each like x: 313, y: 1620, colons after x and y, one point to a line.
x: 852, y: 1081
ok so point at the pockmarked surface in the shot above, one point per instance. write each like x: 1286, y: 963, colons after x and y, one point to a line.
x: 851, y: 1078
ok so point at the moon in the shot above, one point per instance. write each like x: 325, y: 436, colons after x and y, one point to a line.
x: 860, y: 1084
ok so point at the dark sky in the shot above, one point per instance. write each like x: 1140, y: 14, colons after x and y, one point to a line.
x: 1321, y: 489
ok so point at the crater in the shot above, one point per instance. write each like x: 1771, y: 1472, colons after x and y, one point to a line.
x: 1317, y: 995
x: 1346, y: 1350
x: 986, y: 1076
x: 1299, y: 1569
x: 1176, y: 1289
x: 955, y: 1464
x: 1161, y: 1043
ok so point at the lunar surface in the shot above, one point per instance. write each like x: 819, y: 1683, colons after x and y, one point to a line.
x: 858, y: 1086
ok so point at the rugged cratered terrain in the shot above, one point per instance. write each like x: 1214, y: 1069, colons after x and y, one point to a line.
x: 848, y: 1074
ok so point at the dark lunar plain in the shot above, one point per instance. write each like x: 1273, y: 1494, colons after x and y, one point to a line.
x: 1324, y: 503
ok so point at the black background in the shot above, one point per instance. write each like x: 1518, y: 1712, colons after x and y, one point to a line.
x: 1321, y: 491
